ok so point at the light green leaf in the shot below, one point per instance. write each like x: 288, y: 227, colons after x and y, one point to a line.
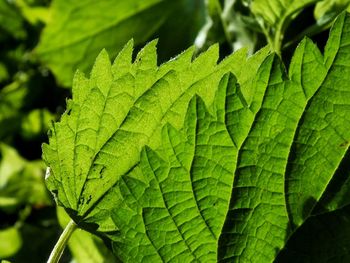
x: 12, y: 98
x: 78, y: 30
x: 330, y: 8
x: 11, y: 242
x: 275, y: 11
x: 34, y: 15
x: 120, y: 109
x: 11, y: 163
x: 274, y: 17
x: 101, y: 24
x: 186, y: 163
x: 174, y: 210
x: 11, y: 21
x: 186, y: 186
x: 21, y: 181
x: 36, y: 123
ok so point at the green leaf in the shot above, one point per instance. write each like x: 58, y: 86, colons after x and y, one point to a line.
x: 11, y: 21
x: 274, y: 11
x: 79, y: 30
x: 13, y: 242
x: 12, y: 98
x: 120, y: 109
x: 4, y: 74
x: 21, y: 181
x: 274, y: 17
x: 183, y: 162
x: 327, y: 8
x: 36, y: 123
x: 34, y: 14
x: 11, y: 163
x: 185, y: 186
x: 321, y: 140
x: 171, y: 215
x: 278, y: 182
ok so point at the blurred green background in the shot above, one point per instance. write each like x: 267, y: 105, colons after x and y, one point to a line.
x: 42, y: 44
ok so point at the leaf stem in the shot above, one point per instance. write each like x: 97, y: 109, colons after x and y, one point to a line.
x: 62, y: 242
x: 278, y: 38
x: 274, y: 39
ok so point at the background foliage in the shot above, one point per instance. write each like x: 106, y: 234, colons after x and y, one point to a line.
x: 44, y: 42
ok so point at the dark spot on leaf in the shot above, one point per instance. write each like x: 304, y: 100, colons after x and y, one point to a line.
x: 81, y: 200
x: 97, y: 171
x: 89, y: 199
x: 102, y: 170
x: 344, y: 144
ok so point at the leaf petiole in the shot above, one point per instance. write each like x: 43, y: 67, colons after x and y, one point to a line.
x: 57, y: 251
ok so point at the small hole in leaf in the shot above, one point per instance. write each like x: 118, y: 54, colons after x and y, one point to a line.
x: 89, y: 199
x: 81, y: 201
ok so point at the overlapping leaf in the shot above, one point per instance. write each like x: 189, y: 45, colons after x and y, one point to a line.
x: 120, y: 109
x: 279, y: 181
x: 233, y: 182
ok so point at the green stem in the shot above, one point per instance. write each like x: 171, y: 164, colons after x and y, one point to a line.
x: 62, y: 242
x: 278, y: 37
x: 274, y: 40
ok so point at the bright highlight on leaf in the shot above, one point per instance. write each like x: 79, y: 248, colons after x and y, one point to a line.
x: 195, y: 161
x: 122, y: 108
